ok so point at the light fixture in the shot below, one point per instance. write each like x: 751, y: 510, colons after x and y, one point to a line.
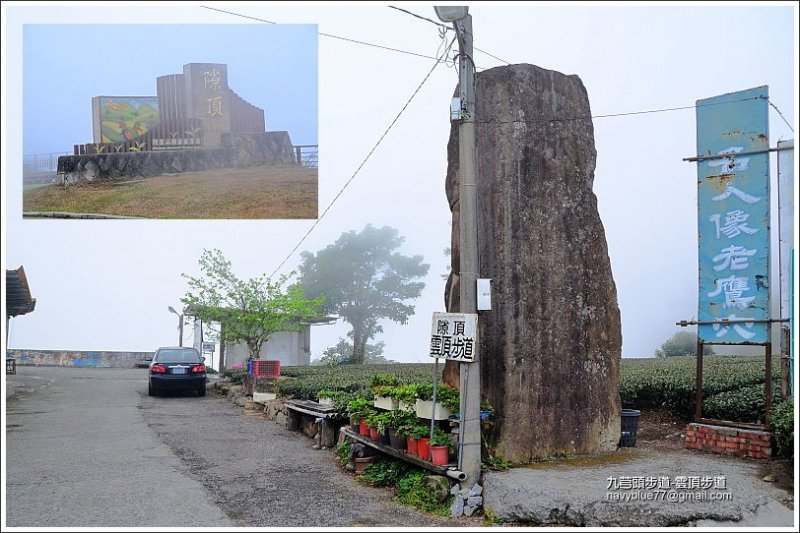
x: 451, y: 13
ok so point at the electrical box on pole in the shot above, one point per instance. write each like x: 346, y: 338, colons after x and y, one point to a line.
x: 484, y: 294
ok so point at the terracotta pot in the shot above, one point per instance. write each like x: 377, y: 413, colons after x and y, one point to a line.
x: 363, y: 462
x: 374, y: 435
x: 423, y: 448
x: 363, y: 429
x: 440, y: 455
x: 411, y: 446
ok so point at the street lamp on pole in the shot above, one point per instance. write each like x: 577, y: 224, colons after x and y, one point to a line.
x: 469, y: 443
x: 180, y: 324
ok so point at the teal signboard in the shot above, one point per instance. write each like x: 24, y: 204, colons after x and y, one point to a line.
x: 733, y: 217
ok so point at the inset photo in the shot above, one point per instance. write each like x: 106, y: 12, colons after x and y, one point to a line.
x: 169, y: 121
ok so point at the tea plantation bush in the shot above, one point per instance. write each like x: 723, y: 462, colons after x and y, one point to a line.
x: 669, y: 383
x: 732, y: 385
x: 348, y: 378
x: 782, y: 423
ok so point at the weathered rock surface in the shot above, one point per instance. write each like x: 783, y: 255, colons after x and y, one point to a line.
x: 550, y: 347
x: 572, y: 493
x: 239, y: 150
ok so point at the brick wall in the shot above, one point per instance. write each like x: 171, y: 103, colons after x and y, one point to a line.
x: 727, y: 440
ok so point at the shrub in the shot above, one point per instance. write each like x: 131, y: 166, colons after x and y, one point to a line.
x: 412, y: 491
x: 781, y: 420
x: 741, y: 405
x: 307, y: 381
x: 384, y: 472
x: 343, y: 452
x: 669, y: 382
x: 236, y: 375
x: 381, y: 380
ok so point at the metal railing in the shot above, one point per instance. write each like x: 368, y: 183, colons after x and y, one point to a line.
x: 307, y: 155
x: 37, y: 163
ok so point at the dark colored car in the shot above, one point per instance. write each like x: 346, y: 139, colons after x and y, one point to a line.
x: 177, y: 369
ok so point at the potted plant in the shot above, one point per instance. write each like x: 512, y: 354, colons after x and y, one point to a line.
x: 406, y: 432
x: 414, y: 432
x: 382, y: 386
x: 395, y: 420
x: 359, y: 409
x: 406, y: 396
x: 384, y: 397
x: 423, y: 433
x: 377, y: 427
x: 325, y: 397
x: 440, y: 447
x: 447, y: 401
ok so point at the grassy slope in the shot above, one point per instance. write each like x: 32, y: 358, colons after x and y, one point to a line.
x: 278, y: 192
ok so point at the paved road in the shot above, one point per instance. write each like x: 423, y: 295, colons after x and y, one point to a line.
x: 88, y: 447
x: 79, y: 453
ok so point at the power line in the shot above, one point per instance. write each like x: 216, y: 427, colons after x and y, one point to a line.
x: 781, y: 114
x: 609, y: 115
x: 364, y: 161
x: 490, y: 55
x: 329, y: 35
x: 446, y: 28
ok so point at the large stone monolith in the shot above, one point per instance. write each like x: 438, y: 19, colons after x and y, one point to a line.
x: 550, y: 347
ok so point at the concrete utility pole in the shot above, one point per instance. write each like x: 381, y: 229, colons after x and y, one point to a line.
x: 470, y: 373
x: 470, y: 438
x: 180, y: 325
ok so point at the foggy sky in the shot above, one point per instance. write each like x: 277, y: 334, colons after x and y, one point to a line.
x: 106, y: 285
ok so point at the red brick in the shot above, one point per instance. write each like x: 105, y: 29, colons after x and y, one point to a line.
x: 690, y: 439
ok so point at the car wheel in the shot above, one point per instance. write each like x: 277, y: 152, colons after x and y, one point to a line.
x: 201, y: 391
x: 150, y: 390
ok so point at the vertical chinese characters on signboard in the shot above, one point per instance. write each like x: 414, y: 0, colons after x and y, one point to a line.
x: 733, y: 217
x: 211, y: 79
x: 453, y: 336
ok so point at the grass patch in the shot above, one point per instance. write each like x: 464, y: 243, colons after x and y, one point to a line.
x: 267, y: 192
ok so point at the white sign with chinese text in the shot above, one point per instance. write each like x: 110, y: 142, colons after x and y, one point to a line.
x: 453, y: 336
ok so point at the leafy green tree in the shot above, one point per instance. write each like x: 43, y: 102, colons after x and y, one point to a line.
x: 342, y: 354
x: 249, y: 311
x: 364, y: 280
x: 682, y: 343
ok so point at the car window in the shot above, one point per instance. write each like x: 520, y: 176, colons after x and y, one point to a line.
x: 177, y: 356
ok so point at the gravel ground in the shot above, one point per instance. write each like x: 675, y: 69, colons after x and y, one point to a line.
x: 260, y: 474
x: 72, y: 432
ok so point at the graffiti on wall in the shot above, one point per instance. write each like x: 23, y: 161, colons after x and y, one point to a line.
x: 124, y: 118
x: 100, y: 359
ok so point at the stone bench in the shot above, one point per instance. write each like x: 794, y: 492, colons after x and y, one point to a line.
x: 326, y: 416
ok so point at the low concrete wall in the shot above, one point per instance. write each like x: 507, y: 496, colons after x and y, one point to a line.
x: 239, y: 150
x: 100, y: 359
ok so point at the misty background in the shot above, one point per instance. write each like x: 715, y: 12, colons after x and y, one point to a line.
x: 107, y: 284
